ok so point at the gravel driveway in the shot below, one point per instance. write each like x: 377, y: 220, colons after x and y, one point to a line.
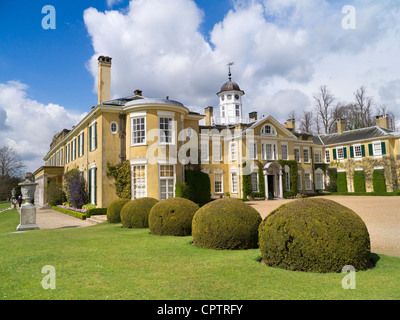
x: 380, y: 214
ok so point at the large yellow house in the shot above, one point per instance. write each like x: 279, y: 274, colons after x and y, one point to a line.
x: 161, y: 137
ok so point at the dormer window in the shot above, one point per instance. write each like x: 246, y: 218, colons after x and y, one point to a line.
x: 268, y: 130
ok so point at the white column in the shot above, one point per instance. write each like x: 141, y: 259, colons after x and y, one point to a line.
x: 266, y: 185
x: 280, y: 185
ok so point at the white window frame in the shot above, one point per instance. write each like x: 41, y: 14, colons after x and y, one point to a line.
x: 264, y: 152
x: 93, y: 129
x: 287, y: 178
x: 254, y: 182
x: 204, y: 151
x: 357, y: 149
x: 307, y: 182
x: 136, y: 186
x: 264, y: 130
x: 327, y: 156
x: 342, y: 153
x: 233, y: 151
x: 161, y: 178
x: 377, y: 148
x: 253, y: 150
x: 299, y: 158
x: 217, y: 151
x: 81, y: 145
x: 141, y: 131
x: 73, y: 149
x: 67, y: 153
x: 116, y: 127
x: 61, y: 159
x: 234, y: 182
x: 319, y: 180
x: 318, y: 156
x: 221, y: 175
x: 161, y: 131
x: 284, y: 146
x: 299, y: 180
x: 307, y: 159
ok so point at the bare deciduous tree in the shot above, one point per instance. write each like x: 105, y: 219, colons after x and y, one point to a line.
x: 306, y: 122
x: 11, y: 169
x: 10, y: 163
x: 324, y: 100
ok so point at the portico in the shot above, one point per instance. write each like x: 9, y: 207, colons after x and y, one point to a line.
x: 273, y: 180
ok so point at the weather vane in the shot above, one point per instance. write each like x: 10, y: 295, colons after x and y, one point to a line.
x: 229, y: 65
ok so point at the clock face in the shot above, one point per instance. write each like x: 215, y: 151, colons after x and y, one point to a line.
x: 237, y: 97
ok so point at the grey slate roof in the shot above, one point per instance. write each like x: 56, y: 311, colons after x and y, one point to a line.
x: 356, y: 135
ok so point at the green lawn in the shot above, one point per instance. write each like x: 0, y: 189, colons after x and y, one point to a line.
x: 5, y: 205
x: 109, y: 262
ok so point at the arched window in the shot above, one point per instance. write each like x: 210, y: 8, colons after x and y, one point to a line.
x: 268, y: 130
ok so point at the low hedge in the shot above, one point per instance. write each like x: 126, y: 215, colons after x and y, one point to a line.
x: 76, y: 214
x: 96, y: 212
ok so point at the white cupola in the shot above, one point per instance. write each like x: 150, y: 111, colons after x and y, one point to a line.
x: 230, y: 102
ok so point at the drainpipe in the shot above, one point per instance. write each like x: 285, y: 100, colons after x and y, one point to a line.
x: 312, y: 167
x: 348, y: 162
x: 122, y: 136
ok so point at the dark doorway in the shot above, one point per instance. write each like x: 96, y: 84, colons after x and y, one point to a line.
x: 271, y: 186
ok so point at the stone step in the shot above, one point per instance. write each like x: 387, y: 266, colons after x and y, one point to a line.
x: 97, y: 219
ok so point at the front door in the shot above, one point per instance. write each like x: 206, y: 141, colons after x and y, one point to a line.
x: 271, y: 188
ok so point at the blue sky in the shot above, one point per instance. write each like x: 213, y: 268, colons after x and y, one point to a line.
x: 283, y: 50
x: 53, y: 62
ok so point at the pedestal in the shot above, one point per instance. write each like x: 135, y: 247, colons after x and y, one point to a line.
x: 28, y: 218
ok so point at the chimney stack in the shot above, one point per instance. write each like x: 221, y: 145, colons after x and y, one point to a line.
x: 253, y: 116
x: 382, y: 121
x: 104, y: 81
x: 341, y: 125
x: 209, y: 115
x: 290, y: 124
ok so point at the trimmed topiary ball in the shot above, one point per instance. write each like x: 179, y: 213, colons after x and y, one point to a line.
x: 135, y: 214
x: 172, y: 217
x: 316, y: 235
x: 114, y: 210
x: 226, y: 224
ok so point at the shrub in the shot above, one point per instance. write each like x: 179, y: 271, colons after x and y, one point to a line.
x: 96, y: 212
x: 341, y: 182
x: 332, y: 185
x: 359, y: 181
x: 55, y: 194
x: 172, y: 217
x: 226, y: 224
x: 76, y: 214
x: 122, y: 178
x: 200, y: 186
x: 135, y: 214
x: 76, y: 189
x: 378, y: 180
x: 316, y: 235
x: 182, y: 190
x: 114, y: 210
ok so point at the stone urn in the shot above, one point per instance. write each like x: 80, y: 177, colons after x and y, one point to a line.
x: 28, y: 210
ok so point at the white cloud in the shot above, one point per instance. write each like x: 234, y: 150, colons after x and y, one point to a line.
x: 283, y: 50
x: 111, y: 3
x: 28, y: 125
